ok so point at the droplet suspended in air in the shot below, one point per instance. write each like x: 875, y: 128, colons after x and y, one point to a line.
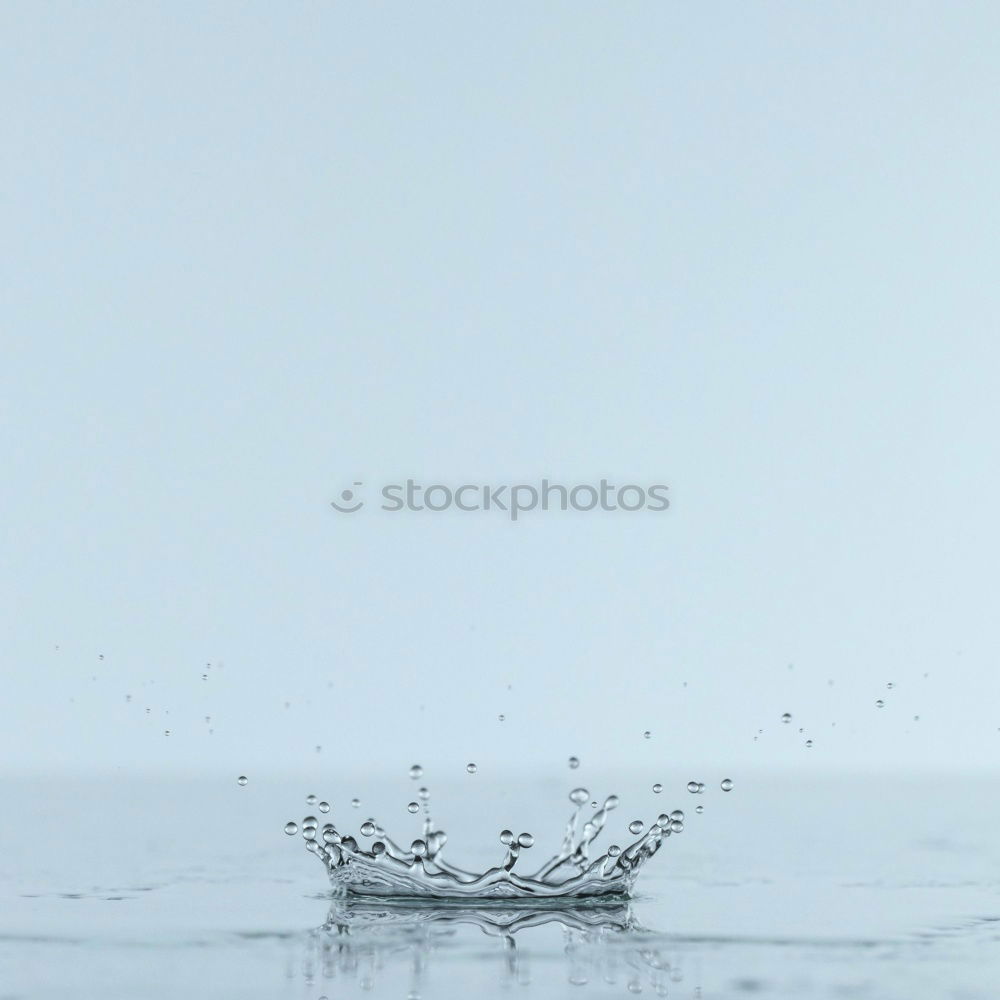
x: 699, y: 809
x: 677, y: 826
x: 647, y: 734
x: 693, y: 787
x: 506, y: 837
x: 525, y: 840
x: 501, y: 717
x: 574, y: 763
x: 726, y: 784
x: 880, y: 703
x: 324, y: 807
x: 677, y: 816
x: 614, y: 850
x: 809, y: 743
x: 355, y: 803
x: 636, y: 826
x: 423, y: 794
x: 657, y: 788
x: 291, y: 828
x: 241, y: 780
x: 413, y: 807
x: 786, y: 718
x: 578, y: 796
x: 311, y: 800
x: 416, y: 771
x: 367, y: 828
x: 471, y: 768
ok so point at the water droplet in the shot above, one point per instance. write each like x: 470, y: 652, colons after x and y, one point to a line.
x: 311, y: 800
x: 310, y: 821
x: 574, y: 762
x: 693, y: 787
x: 241, y: 780
x: 611, y: 802
x: 166, y: 732
x: 506, y: 837
x: 727, y: 784
x: 677, y: 815
x: 647, y: 734
x: 311, y: 844
x: 809, y: 743
x: 291, y: 828
x: 378, y: 848
x: 331, y: 836
x: 355, y: 803
x: 578, y: 796
x: 636, y: 826
x: 677, y: 826
x: 319, y: 749
x: 418, y: 848
x: 413, y: 807
x: 916, y: 718
x: 416, y: 771
x: 786, y: 718
x: 324, y: 807
x: 890, y: 685
x: 699, y: 809
x: 501, y: 717
x: 309, y: 832
x: 423, y: 794
x: 701, y: 787
x: 880, y: 703
x: 614, y: 850
x: 525, y: 840
x: 657, y: 788
x: 367, y: 828
x: 663, y: 820
x: 471, y: 768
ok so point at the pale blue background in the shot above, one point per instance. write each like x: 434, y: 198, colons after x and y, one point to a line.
x: 252, y: 253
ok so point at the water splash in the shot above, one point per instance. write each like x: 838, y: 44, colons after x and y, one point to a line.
x: 388, y: 870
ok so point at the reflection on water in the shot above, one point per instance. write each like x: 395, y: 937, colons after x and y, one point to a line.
x: 606, y: 945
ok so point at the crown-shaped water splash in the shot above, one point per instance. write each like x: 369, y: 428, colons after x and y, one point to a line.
x: 388, y: 870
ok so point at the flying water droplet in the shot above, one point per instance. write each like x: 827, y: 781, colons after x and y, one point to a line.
x: 636, y: 826
x: 367, y: 828
x: 699, y: 809
x: 693, y: 787
x: 574, y: 762
x: 241, y: 780
x: 525, y: 840
x: 324, y: 807
x: 416, y: 771
x: 413, y: 807
x: 809, y: 743
x: 311, y: 800
x: 471, y: 768
x: 647, y: 734
x: 786, y: 718
x: 506, y: 837
x: 880, y: 703
x: 578, y: 796
x: 355, y: 803
x: 677, y: 816
x: 291, y: 828
x: 726, y: 784
x: 657, y: 788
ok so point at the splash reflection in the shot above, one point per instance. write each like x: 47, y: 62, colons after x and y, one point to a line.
x: 363, y: 941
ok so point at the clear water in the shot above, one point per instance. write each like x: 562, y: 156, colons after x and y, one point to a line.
x: 837, y: 887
